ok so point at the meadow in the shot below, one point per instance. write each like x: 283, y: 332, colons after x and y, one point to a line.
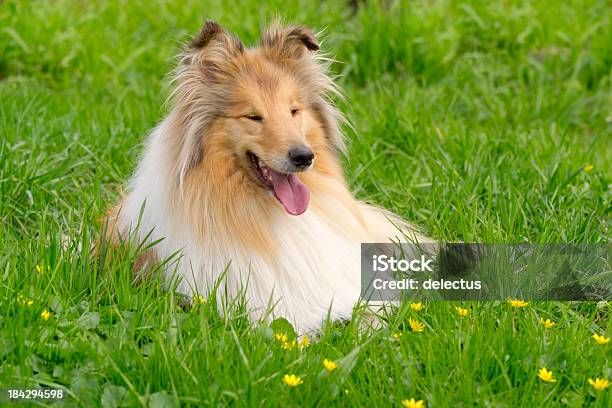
x: 479, y: 121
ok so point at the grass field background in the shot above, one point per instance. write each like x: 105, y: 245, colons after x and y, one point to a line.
x: 479, y: 121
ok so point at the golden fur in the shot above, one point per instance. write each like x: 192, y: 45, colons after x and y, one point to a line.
x: 206, y: 189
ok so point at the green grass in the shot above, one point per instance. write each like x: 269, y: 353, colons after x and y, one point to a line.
x: 473, y: 119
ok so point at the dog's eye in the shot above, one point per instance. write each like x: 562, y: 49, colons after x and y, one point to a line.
x: 254, y: 117
x: 294, y: 111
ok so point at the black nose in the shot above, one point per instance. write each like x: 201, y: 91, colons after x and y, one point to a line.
x: 301, y: 156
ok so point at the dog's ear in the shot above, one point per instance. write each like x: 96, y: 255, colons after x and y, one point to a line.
x: 290, y: 42
x: 213, y: 32
x: 212, y: 49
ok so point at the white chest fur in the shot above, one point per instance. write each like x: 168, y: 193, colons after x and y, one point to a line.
x: 315, y: 267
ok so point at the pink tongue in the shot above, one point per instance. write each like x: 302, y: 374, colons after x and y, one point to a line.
x: 291, y: 192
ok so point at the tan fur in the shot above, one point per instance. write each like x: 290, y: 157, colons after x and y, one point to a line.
x: 209, y: 188
x: 273, y: 78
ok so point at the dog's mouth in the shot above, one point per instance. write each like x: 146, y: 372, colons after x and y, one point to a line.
x: 287, y: 187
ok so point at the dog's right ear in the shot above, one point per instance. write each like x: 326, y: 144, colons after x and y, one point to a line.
x: 212, y: 49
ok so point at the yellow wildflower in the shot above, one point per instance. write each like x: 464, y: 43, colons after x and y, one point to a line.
x: 289, y: 345
x: 461, y: 311
x: 24, y: 301
x: 588, y: 168
x: 547, y: 323
x: 546, y: 375
x: 517, y: 303
x: 412, y: 403
x: 397, y: 335
x: 416, y: 326
x: 46, y: 314
x: 329, y: 365
x: 601, y: 340
x: 305, y: 342
x: 199, y: 300
x: 292, y: 380
x: 599, y: 384
x: 282, y: 337
x: 41, y: 269
x: 417, y: 307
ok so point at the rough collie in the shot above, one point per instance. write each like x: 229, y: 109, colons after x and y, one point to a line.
x: 244, y: 177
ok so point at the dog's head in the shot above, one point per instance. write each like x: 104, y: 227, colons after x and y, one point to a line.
x: 264, y: 110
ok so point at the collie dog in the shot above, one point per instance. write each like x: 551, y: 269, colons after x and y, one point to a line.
x: 244, y: 178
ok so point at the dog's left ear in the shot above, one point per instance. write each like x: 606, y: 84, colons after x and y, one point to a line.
x: 290, y: 42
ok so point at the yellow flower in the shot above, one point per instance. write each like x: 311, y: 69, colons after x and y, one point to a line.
x: 517, y: 303
x: 329, y: 365
x: 412, y: 403
x: 199, y: 300
x: 397, y: 335
x: 417, y: 307
x: 601, y: 339
x: 547, y: 323
x: 305, y: 342
x: 41, y: 269
x: 588, y: 168
x: 281, y: 337
x: 292, y: 380
x: 599, y: 384
x: 46, y: 314
x: 416, y: 326
x: 546, y: 375
x: 461, y: 311
x: 289, y: 345
x: 23, y: 301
